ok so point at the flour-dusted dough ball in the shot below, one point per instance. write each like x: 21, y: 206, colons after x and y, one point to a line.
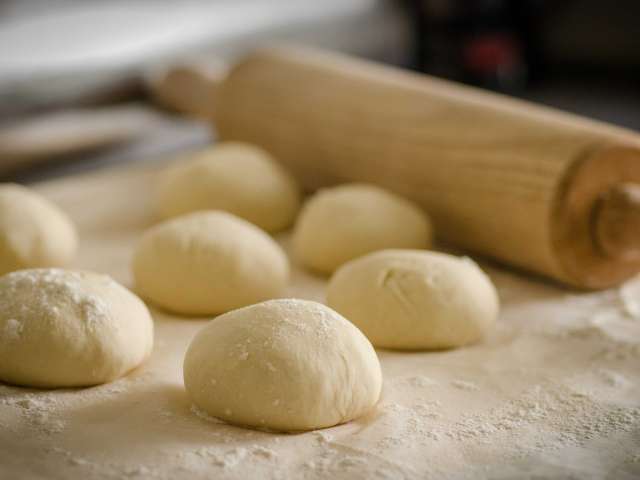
x: 235, y: 177
x: 411, y: 299
x: 206, y: 263
x: 341, y: 223
x: 285, y: 365
x: 33, y: 231
x: 61, y: 328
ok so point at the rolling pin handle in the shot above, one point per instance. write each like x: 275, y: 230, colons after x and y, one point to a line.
x: 189, y: 88
x: 617, y: 222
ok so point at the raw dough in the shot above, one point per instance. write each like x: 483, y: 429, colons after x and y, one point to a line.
x: 553, y: 392
x: 284, y: 365
x: 33, y: 231
x: 61, y: 328
x: 207, y: 263
x: 341, y: 223
x: 411, y: 299
x: 236, y: 177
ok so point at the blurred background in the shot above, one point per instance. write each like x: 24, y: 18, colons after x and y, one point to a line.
x: 75, y: 75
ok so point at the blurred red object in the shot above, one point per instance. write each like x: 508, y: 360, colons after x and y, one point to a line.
x: 486, y: 54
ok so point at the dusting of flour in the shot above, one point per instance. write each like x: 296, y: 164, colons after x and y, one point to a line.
x: 557, y: 378
x: 50, y: 288
x: 553, y: 391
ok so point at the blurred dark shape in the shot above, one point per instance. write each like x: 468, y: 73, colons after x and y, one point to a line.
x: 484, y: 43
x: 507, y: 43
x: 581, y: 55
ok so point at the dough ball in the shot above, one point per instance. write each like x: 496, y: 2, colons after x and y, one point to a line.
x: 235, y: 177
x: 341, y: 223
x: 33, y: 231
x: 61, y: 328
x: 285, y: 365
x: 207, y: 263
x: 412, y: 299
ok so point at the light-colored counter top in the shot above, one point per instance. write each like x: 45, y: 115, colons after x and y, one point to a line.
x: 553, y: 392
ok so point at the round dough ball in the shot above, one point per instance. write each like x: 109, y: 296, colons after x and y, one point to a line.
x: 411, y: 299
x: 345, y: 222
x: 61, y: 328
x: 207, y: 263
x: 33, y: 231
x: 235, y: 177
x: 285, y: 365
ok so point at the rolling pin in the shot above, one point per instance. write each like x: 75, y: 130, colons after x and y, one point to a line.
x: 536, y: 188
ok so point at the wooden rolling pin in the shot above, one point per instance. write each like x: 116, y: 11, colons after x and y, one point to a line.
x: 543, y: 190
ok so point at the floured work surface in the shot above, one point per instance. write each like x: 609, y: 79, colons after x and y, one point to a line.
x: 554, y: 392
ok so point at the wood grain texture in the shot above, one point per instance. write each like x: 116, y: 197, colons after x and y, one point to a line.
x: 617, y: 224
x: 500, y: 177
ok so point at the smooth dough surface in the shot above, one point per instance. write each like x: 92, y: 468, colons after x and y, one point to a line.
x: 341, y: 223
x: 411, y: 299
x: 207, y: 263
x: 61, y: 328
x: 33, y: 231
x: 235, y: 177
x: 285, y: 365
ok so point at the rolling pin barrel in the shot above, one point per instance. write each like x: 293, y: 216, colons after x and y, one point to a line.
x: 543, y: 190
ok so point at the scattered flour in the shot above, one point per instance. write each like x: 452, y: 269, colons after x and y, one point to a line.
x: 464, y: 385
x: 198, y: 412
x: 12, y: 329
x: 613, y: 379
x: 423, y: 428
x: 231, y: 458
x: 323, y: 437
x: 629, y: 294
x: 37, y: 409
x: 559, y: 416
x: 420, y: 381
x: 339, y: 461
x: 52, y: 286
x: 271, y: 367
x: 138, y: 471
x: 79, y: 461
x: 263, y: 452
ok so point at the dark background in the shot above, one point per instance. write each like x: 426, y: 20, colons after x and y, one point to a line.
x: 582, y: 55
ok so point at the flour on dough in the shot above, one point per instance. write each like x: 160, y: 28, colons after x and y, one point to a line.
x: 284, y: 365
x: 61, y: 328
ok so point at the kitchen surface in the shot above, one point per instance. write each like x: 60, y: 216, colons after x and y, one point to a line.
x: 125, y: 118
